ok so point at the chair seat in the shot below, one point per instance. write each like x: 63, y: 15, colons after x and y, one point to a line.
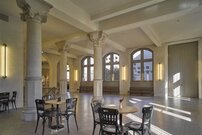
x: 133, y: 125
x: 112, y: 129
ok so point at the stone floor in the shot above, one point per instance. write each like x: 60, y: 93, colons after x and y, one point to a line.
x: 171, y: 117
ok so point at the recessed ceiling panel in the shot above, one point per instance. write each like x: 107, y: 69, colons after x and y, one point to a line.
x: 131, y: 38
x: 185, y: 27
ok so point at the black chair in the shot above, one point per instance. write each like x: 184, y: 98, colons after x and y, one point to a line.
x: 95, y: 105
x: 109, y: 122
x: 70, y: 110
x: 42, y: 113
x: 141, y: 128
x: 13, y: 99
x: 5, y: 100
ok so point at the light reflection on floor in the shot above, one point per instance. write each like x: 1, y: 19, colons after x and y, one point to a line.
x: 171, y: 108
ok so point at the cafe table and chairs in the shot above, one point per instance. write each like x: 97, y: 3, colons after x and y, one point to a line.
x: 57, y: 102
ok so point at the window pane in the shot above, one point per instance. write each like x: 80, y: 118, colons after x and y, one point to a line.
x: 115, y: 58
x: 108, y: 59
x: 85, y: 62
x: 136, y: 71
x: 147, y: 54
x: 91, y: 61
x: 67, y: 67
x: 85, y: 72
x: 91, y: 73
x: 107, y: 73
x: 116, y: 73
x: 68, y: 75
x: 137, y: 55
x: 148, y: 71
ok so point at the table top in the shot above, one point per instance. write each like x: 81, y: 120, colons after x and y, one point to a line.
x: 124, y: 110
x: 55, y: 102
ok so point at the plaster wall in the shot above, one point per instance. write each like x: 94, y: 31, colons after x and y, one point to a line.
x: 11, y: 33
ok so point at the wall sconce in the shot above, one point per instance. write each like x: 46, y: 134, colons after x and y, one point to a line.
x: 124, y: 73
x: 160, y: 73
x: 4, y: 61
x: 75, y: 75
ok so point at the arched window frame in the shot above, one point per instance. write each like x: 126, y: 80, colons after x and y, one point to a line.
x: 89, y: 65
x: 111, y: 63
x: 68, y: 73
x: 142, y: 61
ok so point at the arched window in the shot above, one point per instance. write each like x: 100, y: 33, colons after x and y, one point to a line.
x: 87, y: 64
x: 142, y: 65
x: 111, y: 67
x: 68, y: 73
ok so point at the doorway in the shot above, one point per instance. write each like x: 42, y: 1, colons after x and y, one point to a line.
x: 183, y: 70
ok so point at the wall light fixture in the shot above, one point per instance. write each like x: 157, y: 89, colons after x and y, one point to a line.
x: 4, y: 61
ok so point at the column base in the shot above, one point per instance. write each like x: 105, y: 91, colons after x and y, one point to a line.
x: 29, y: 114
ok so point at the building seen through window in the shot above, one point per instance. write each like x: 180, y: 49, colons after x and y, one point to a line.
x: 142, y: 65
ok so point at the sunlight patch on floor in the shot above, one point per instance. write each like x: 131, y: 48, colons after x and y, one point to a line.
x: 171, y: 108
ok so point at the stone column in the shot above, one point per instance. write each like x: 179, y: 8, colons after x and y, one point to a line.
x: 52, y: 61
x: 62, y: 48
x: 34, y: 13
x: 97, y: 38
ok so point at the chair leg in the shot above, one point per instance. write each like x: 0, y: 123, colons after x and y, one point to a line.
x: 37, y: 124
x: 94, y: 128
x: 67, y: 123
x: 76, y: 121
x: 15, y: 105
x: 44, y: 122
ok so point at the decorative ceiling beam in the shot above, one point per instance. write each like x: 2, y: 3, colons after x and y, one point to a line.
x: 115, y: 45
x: 53, y: 51
x: 152, y: 35
x: 135, y: 5
x: 70, y: 13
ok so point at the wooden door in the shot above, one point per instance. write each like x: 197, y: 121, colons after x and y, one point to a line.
x: 183, y: 70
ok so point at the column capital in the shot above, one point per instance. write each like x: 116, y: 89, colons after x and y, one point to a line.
x: 63, y: 46
x: 97, y: 37
x: 34, y: 9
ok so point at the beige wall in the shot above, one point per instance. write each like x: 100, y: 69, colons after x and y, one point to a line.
x: 11, y: 33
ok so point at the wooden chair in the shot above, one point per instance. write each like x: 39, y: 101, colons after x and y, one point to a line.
x: 95, y: 105
x: 141, y: 128
x: 71, y: 104
x: 109, y: 122
x: 42, y: 113
x: 12, y: 100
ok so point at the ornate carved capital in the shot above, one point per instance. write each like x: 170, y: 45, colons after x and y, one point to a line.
x: 34, y: 9
x: 97, y: 37
x: 63, y: 46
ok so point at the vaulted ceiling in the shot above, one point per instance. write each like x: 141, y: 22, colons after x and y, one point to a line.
x: 128, y: 23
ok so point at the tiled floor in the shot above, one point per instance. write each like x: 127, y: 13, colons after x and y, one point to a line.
x: 170, y: 117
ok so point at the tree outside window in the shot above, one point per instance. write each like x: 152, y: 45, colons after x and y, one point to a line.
x: 111, y: 67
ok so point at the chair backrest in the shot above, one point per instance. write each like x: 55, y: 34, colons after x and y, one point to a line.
x: 14, y: 95
x: 71, y: 104
x: 95, y: 106
x: 108, y: 117
x: 147, y: 112
x: 40, y: 105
